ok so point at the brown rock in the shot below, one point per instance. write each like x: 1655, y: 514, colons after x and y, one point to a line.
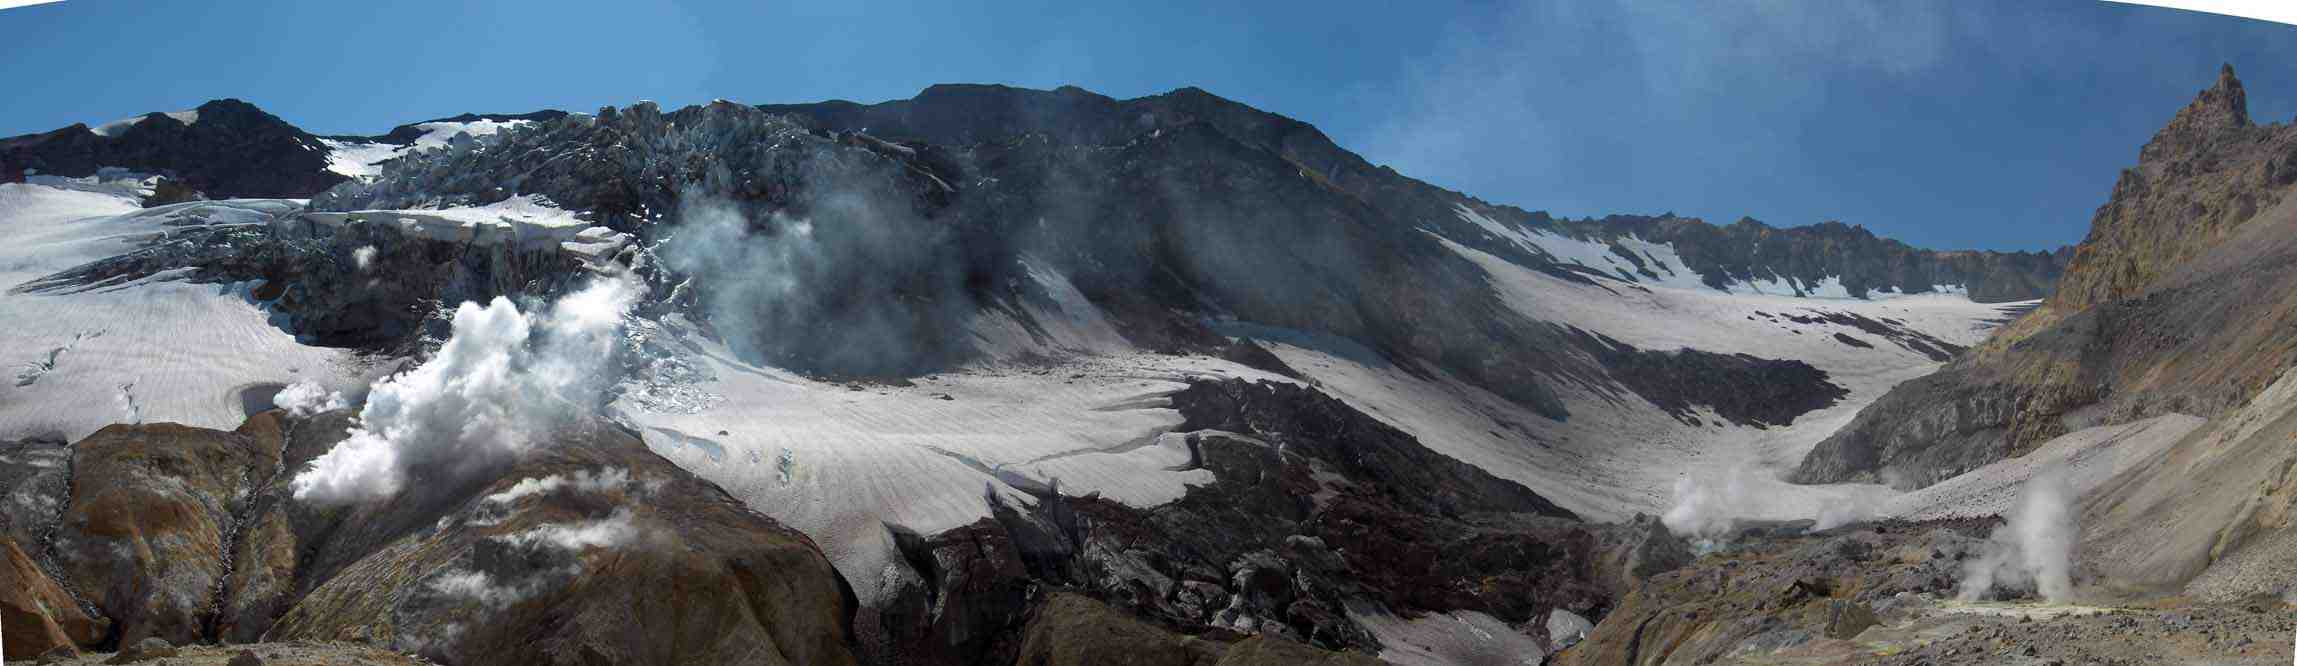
x: 145, y: 533
x: 631, y: 561
x: 36, y: 615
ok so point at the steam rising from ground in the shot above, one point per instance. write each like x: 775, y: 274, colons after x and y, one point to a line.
x: 1707, y: 507
x: 2035, y: 550
x: 858, y: 285
x: 306, y: 398
x: 503, y: 379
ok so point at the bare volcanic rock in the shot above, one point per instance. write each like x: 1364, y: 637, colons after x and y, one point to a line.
x: 2209, y: 171
x: 1766, y: 594
x: 35, y: 476
x: 592, y: 550
x: 36, y: 614
x: 1314, y: 509
x: 150, y: 518
x: 1074, y: 629
x: 2177, y: 301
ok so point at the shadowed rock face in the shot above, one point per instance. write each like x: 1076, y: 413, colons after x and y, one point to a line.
x: 957, y: 116
x: 2176, y: 302
x: 233, y: 150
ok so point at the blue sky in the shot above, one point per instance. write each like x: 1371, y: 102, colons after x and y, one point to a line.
x: 1948, y: 124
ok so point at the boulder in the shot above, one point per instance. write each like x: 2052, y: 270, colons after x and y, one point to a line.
x: 1565, y: 629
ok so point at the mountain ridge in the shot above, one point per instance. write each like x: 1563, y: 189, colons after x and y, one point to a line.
x: 1797, y: 256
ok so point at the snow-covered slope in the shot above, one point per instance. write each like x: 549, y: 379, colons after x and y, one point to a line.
x: 845, y: 461
x: 148, y: 351
x: 1619, y: 454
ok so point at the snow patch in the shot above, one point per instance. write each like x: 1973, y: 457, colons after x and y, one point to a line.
x: 188, y: 349
x: 439, y: 134
x: 360, y: 159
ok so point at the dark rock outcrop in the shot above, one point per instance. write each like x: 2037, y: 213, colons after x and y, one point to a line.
x: 1314, y: 508
x: 1743, y: 389
x: 232, y: 150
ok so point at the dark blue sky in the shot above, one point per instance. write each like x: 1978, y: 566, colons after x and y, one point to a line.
x: 1947, y: 124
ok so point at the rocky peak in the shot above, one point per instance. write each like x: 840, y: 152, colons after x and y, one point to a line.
x: 2173, y: 281
x: 2205, y: 173
x: 2223, y: 106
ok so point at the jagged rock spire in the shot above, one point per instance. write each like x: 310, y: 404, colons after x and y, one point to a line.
x: 2223, y: 106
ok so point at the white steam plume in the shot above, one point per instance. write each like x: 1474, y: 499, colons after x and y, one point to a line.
x: 2035, y: 550
x: 1706, y: 508
x: 305, y: 398
x: 503, y: 378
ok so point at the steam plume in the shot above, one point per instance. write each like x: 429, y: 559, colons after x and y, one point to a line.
x: 503, y: 378
x: 2035, y: 550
